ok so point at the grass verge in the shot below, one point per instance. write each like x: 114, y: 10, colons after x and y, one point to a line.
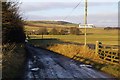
x: 13, y: 61
x: 87, y: 55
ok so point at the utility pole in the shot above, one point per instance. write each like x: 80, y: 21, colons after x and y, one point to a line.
x: 85, y: 21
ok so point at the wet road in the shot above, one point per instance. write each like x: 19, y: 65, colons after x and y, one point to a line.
x: 43, y: 64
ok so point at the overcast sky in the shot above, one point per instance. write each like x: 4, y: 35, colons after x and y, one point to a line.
x: 102, y: 13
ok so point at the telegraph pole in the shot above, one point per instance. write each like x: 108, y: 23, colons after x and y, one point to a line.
x: 85, y: 21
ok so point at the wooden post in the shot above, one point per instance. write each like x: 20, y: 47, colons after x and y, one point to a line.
x: 96, y: 49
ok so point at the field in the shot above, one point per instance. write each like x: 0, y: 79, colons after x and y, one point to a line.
x: 109, y: 37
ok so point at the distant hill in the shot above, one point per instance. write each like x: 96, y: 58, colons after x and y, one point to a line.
x: 50, y: 24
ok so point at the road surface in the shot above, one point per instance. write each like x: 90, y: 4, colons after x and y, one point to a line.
x: 43, y: 64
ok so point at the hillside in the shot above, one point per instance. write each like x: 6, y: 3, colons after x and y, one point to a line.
x: 50, y: 24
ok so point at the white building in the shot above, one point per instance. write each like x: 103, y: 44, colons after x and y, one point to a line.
x: 87, y: 26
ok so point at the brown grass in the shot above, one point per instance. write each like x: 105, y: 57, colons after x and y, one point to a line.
x: 70, y: 50
x: 13, y: 62
x: 112, y: 70
x: 87, y: 56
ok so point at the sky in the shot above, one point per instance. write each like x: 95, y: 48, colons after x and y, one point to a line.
x: 100, y: 13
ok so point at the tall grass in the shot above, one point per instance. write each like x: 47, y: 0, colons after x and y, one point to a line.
x: 70, y: 50
x: 13, y: 61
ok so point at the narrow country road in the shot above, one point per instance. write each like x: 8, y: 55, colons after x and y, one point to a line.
x: 44, y: 65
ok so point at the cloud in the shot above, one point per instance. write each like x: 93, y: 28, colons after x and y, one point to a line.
x: 68, y: 0
x: 103, y: 18
x: 108, y: 19
x: 40, y: 6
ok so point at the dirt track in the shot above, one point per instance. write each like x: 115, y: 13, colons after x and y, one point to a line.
x: 44, y: 64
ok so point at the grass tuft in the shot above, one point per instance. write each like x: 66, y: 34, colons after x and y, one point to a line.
x: 13, y: 62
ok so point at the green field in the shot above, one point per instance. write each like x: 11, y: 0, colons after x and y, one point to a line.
x: 109, y: 37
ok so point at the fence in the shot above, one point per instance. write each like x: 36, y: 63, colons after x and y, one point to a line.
x: 103, y: 54
x: 107, y: 53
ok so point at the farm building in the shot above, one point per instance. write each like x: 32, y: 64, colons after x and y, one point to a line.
x: 87, y: 26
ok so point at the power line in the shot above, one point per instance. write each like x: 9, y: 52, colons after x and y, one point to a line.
x: 72, y: 10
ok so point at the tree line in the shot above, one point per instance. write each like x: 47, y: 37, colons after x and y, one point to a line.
x: 112, y: 28
x: 55, y: 31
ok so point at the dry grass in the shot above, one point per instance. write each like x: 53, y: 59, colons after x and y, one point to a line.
x: 13, y: 62
x: 87, y: 56
x: 70, y: 50
x: 112, y: 70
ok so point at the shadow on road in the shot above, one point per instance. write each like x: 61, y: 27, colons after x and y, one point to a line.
x: 46, y: 42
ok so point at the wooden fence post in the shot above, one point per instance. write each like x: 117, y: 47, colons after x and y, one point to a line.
x: 96, y: 50
x: 97, y: 47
